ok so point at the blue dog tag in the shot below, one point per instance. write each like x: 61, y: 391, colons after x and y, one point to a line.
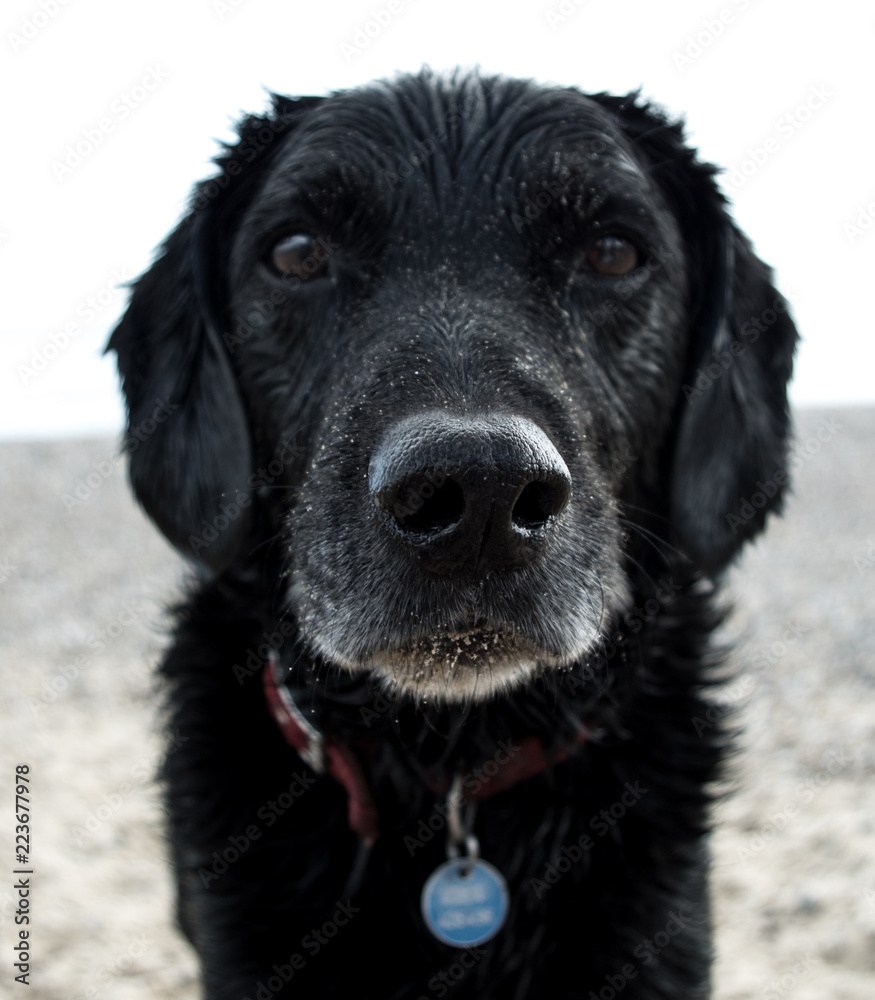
x: 464, y: 902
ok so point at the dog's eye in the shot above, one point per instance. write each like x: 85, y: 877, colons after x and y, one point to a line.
x: 612, y: 256
x: 300, y: 254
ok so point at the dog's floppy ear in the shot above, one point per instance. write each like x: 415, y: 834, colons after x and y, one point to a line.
x: 730, y: 464
x: 187, y: 434
x: 730, y: 448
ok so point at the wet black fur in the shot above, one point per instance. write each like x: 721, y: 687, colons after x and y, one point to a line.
x: 669, y: 512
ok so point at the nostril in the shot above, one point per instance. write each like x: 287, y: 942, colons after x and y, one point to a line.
x: 425, y: 508
x: 537, y: 503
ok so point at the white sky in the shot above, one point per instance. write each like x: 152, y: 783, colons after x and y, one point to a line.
x: 66, y: 239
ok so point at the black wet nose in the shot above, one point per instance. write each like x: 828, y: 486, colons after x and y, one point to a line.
x: 478, y: 493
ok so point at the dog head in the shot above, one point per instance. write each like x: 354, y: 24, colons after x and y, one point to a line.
x: 459, y: 343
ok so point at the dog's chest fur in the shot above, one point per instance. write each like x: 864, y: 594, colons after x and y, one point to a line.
x: 603, y: 853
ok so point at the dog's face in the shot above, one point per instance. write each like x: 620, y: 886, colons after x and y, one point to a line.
x: 473, y: 308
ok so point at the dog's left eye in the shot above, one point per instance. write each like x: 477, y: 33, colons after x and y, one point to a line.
x: 612, y: 256
x: 301, y: 255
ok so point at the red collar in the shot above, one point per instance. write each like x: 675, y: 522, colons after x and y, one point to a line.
x: 325, y: 754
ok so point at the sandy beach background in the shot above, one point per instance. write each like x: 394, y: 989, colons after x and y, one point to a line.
x: 83, y: 581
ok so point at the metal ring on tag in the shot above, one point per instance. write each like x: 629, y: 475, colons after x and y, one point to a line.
x: 460, y: 822
x: 472, y: 845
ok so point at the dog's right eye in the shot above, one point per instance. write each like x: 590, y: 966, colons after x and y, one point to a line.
x: 301, y: 255
x: 612, y: 256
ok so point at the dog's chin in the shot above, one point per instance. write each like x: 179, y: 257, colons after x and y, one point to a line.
x: 459, y: 667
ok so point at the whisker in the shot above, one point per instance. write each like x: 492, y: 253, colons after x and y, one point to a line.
x: 653, y: 539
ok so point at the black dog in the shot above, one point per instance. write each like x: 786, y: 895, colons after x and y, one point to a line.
x: 462, y: 393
